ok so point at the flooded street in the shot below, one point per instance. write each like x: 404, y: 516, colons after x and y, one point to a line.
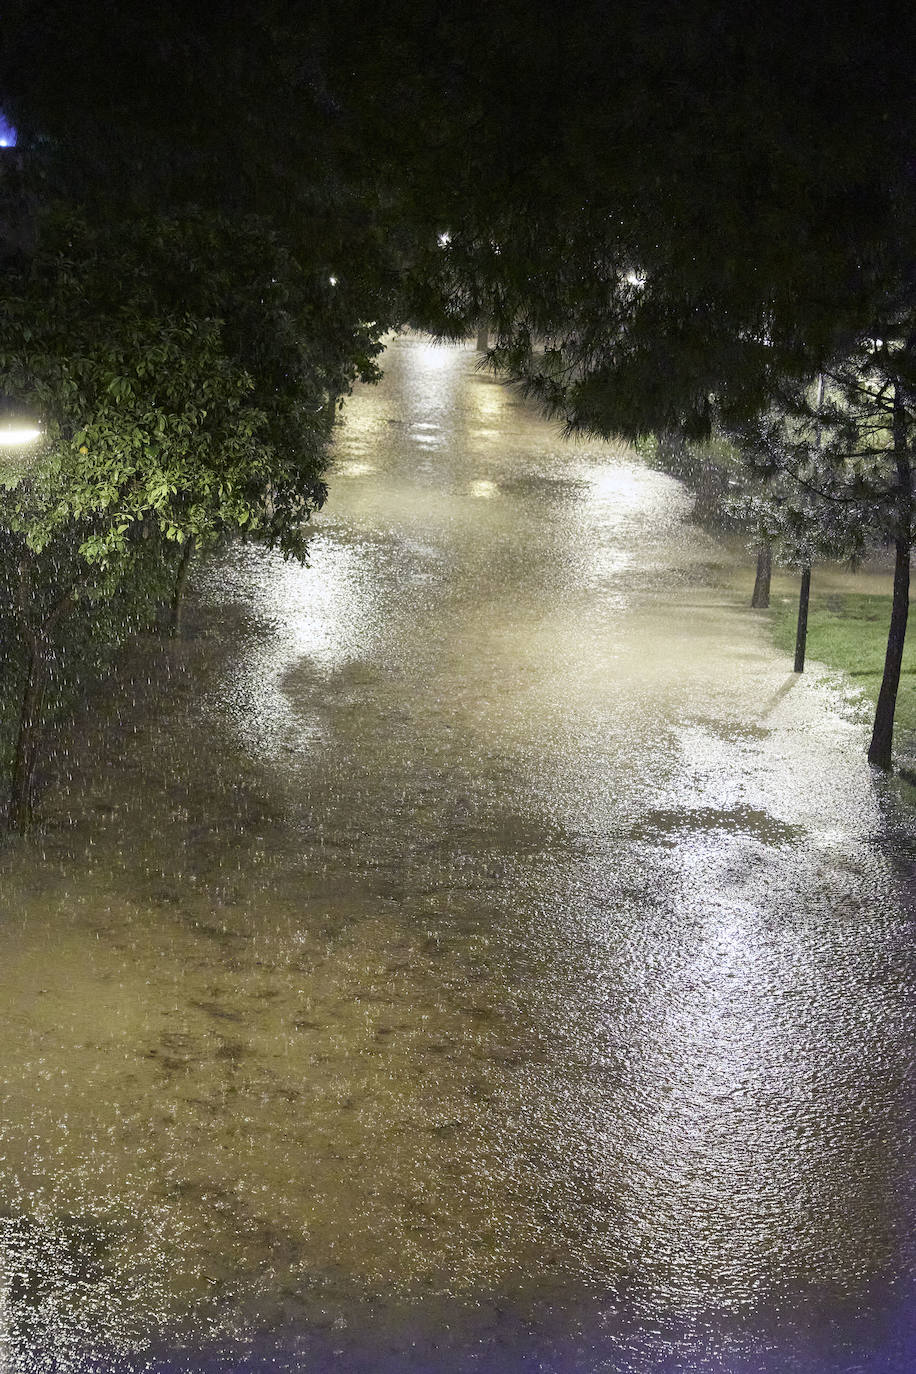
x: 475, y: 952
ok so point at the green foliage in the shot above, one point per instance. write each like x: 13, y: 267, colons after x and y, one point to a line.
x: 672, y: 216
x: 158, y: 412
x: 185, y: 370
x: 848, y: 631
x: 101, y: 615
x: 712, y: 471
x: 835, y: 470
x: 663, y: 210
x: 187, y: 297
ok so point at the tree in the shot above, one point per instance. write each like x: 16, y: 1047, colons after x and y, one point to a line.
x: 61, y: 622
x: 739, y: 487
x: 192, y: 285
x: 848, y: 456
x: 802, y: 526
x: 668, y: 214
x: 221, y: 110
x: 178, y: 407
x: 673, y: 216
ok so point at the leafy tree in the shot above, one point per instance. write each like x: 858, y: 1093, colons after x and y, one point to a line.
x: 223, y: 111
x: 673, y: 216
x: 669, y: 215
x: 179, y: 408
x: 846, y: 465
x: 191, y: 285
x: 62, y: 621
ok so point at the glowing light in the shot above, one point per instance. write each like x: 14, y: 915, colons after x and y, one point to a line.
x: 332, y: 280
x: 435, y: 355
x: 444, y: 239
x: 14, y: 436
x: 7, y: 134
x: 484, y: 488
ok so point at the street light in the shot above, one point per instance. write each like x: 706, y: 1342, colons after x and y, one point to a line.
x: 18, y: 425
x: 19, y: 433
x: 17, y: 436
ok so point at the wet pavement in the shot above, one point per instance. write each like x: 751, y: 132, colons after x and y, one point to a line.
x: 476, y: 951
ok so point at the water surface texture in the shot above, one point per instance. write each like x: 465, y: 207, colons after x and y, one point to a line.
x: 474, y: 952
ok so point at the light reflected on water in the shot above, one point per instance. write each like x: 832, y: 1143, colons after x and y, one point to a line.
x: 490, y: 400
x: 430, y: 356
x: 466, y: 953
x: 353, y: 469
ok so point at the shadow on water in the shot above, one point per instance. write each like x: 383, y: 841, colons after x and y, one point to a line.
x: 562, y: 1334
x: 466, y: 954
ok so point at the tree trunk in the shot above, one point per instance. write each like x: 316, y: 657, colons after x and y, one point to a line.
x: 28, y: 735
x: 801, y: 634
x: 28, y: 738
x: 761, y: 598
x: 181, y: 578
x: 483, y: 336
x: 882, y: 736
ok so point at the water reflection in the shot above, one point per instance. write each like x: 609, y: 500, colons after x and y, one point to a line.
x: 464, y: 953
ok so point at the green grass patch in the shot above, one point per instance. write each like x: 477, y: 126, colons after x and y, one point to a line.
x: 848, y: 630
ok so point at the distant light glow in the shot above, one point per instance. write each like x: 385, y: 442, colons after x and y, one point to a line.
x: 444, y: 239
x: 332, y: 280
x: 14, y: 436
x: 7, y: 133
x: 637, y: 279
x: 433, y: 355
x: 484, y: 488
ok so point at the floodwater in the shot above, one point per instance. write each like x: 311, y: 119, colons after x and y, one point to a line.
x: 476, y: 952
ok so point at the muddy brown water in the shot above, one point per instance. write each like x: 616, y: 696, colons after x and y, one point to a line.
x: 475, y: 951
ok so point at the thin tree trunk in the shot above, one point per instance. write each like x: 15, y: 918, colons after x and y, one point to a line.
x: 178, y: 590
x: 801, y: 634
x: 28, y: 735
x: 483, y: 336
x: 761, y: 598
x: 28, y: 738
x: 882, y: 737
x: 804, y: 591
